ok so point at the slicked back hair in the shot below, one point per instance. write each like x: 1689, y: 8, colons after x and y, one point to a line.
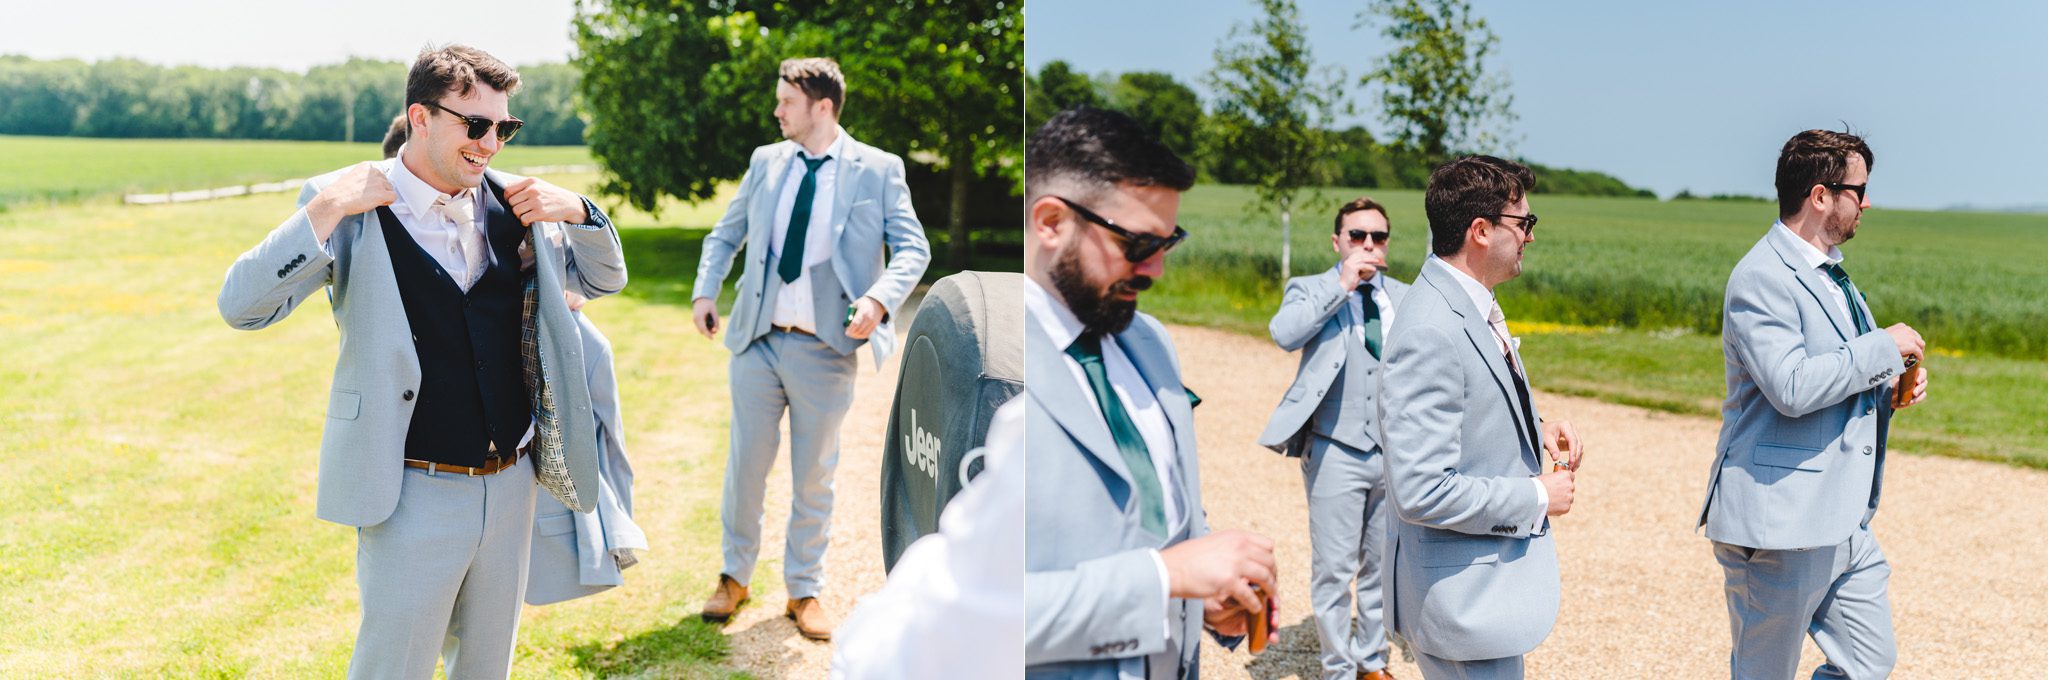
x: 1815, y: 157
x: 455, y: 67
x: 1098, y: 150
x: 818, y: 78
x: 1467, y: 188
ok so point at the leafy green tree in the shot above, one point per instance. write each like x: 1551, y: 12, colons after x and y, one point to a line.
x: 1434, y: 88
x: 1057, y: 87
x: 1163, y: 105
x: 1271, y: 110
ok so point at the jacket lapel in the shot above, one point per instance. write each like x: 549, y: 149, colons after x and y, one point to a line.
x: 1070, y: 404
x: 762, y: 224
x: 844, y: 180
x: 1482, y: 339
x: 1140, y: 345
x: 1812, y: 279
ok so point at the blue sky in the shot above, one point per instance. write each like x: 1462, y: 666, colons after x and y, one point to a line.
x: 292, y: 34
x: 1671, y: 96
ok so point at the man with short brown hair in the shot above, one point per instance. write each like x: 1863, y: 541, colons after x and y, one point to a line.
x: 431, y: 419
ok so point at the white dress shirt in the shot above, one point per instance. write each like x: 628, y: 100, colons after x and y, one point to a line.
x: 793, y: 303
x: 1482, y: 298
x: 1815, y: 259
x: 1380, y: 299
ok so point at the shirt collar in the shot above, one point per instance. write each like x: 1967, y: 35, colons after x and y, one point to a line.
x: 415, y: 193
x: 1481, y: 297
x: 1813, y: 257
x: 834, y: 150
x: 1058, y: 322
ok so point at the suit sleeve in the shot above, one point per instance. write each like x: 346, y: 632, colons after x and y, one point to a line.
x: 596, y: 264
x: 1303, y: 311
x: 727, y: 235
x: 1762, y: 331
x: 266, y: 283
x: 1423, y: 400
x: 1106, y: 608
x: 909, y: 252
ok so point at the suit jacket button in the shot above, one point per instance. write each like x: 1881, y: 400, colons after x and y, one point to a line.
x: 407, y: 396
x: 1867, y: 450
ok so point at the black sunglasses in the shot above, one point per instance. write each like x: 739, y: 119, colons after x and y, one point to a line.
x: 1137, y: 247
x: 478, y: 125
x: 1358, y: 236
x: 1528, y: 222
x: 1838, y: 186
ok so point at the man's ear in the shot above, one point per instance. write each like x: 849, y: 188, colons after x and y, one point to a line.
x: 1485, y: 235
x: 1047, y: 214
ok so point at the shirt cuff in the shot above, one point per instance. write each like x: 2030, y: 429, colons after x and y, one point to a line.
x: 1165, y: 593
x: 1542, y: 505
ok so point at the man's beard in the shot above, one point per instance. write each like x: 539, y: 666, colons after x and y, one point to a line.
x: 1100, y: 312
x: 1839, y: 229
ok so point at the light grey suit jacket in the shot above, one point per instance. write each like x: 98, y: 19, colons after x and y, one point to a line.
x: 362, y: 451
x: 574, y: 552
x: 1468, y: 581
x: 870, y: 210
x: 1093, y: 596
x: 1313, y: 315
x: 1801, y: 456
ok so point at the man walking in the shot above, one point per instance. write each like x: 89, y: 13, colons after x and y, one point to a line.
x: 1473, y: 576
x: 822, y: 214
x: 1801, y: 457
x: 1330, y: 419
x: 430, y: 416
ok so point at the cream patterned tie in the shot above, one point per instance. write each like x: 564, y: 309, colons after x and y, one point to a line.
x: 461, y: 209
x: 1498, y: 321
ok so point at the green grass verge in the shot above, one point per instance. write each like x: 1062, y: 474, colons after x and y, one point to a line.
x: 1621, y: 299
x: 47, y: 170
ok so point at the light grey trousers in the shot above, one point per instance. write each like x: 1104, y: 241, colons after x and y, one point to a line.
x: 1347, y: 530
x: 800, y: 374
x: 1433, y: 668
x: 444, y: 575
x: 1836, y: 594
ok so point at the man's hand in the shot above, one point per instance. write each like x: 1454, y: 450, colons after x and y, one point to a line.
x: 576, y: 302
x: 535, y: 200
x: 1355, y: 269
x: 360, y: 189
x: 704, y: 311
x: 1225, y: 616
x: 867, y: 315
x: 1560, y: 485
x: 1908, y: 340
x: 1563, y: 443
x: 1917, y: 391
x: 1221, y: 565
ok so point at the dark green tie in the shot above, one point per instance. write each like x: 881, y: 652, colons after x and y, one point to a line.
x: 1152, y: 506
x: 1849, y: 295
x: 1372, y: 319
x: 792, y: 264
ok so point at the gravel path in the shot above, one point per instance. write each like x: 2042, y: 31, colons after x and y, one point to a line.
x: 1642, y: 593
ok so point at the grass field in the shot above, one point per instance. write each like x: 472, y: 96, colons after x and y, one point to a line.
x: 157, y: 518
x: 1621, y: 299
x: 49, y: 170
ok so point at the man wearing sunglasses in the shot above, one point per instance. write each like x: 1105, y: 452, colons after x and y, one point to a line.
x: 1472, y: 576
x: 833, y: 249
x: 430, y: 420
x: 1121, y: 571
x: 1796, y: 474
x: 1330, y: 419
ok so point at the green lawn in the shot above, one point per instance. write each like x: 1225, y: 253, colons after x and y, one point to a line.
x: 1621, y: 297
x: 157, y: 516
x: 50, y: 170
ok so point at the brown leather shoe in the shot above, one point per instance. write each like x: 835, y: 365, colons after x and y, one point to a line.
x: 725, y: 600
x: 1375, y: 675
x: 810, y: 618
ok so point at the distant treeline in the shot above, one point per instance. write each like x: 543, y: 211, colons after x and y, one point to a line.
x: 1174, y: 112
x: 129, y: 98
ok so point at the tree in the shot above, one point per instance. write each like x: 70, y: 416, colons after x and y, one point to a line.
x: 1170, y: 110
x: 1434, y: 89
x: 680, y: 93
x: 1056, y: 88
x: 1272, y: 107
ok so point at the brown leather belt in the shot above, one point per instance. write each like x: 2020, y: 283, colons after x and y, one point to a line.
x: 491, y: 466
x: 792, y: 329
